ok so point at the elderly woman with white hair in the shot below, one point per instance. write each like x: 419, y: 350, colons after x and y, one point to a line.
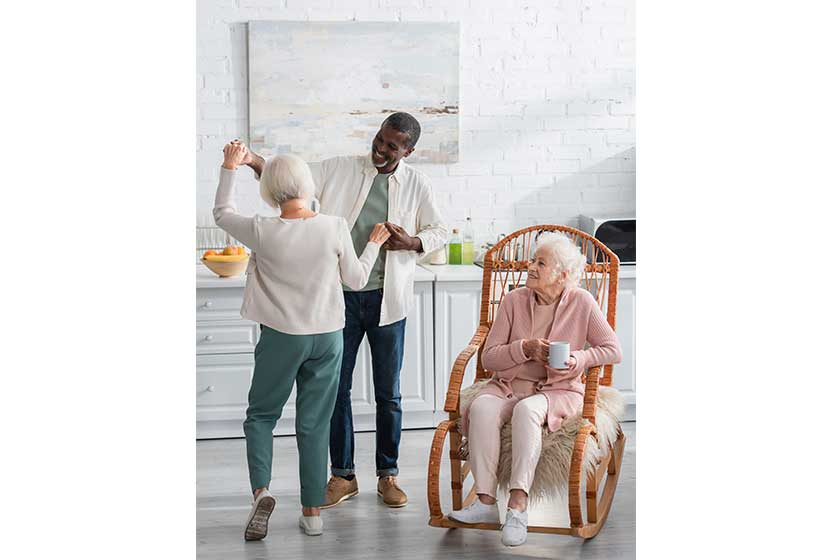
x: 298, y: 261
x: 524, y: 389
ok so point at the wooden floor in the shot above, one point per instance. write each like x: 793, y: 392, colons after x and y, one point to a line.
x: 362, y: 528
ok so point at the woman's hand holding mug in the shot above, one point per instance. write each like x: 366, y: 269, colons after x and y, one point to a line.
x: 380, y: 234
x: 536, y: 349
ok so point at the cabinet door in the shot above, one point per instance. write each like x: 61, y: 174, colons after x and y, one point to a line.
x: 417, y: 382
x: 226, y: 337
x: 222, y: 384
x: 416, y: 377
x: 456, y: 317
x: 213, y: 304
x: 624, y: 374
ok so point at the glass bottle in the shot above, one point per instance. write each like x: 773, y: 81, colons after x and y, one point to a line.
x: 468, y: 244
x: 455, y: 247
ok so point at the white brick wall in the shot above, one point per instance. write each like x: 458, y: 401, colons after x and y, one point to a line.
x: 547, y: 102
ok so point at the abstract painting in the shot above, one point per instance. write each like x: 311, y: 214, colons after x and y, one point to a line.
x: 322, y: 89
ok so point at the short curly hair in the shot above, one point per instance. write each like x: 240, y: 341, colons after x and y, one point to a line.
x: 567, y: 255
x: 405, y: 123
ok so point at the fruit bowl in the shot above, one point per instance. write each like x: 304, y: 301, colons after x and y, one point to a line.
x: 226, y: 269
x: 226, y: 265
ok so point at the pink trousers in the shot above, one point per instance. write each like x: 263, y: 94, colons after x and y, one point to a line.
x: 487, y: 415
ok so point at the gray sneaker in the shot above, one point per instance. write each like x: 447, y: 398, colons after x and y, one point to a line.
x: 476, y: 512
x: 257, y: 527
x: 311, y: 525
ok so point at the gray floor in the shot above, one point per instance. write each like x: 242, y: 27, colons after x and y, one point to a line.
x: 363, y: 528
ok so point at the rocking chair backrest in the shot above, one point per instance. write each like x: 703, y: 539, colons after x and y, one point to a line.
x: 506, y: 268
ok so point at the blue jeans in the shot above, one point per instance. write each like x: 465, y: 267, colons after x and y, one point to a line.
x: 362, y: 311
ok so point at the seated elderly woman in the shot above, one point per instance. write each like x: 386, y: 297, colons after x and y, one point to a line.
x: 524, y: 389
x: 299, y: 260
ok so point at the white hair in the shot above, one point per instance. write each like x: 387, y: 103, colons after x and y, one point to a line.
x: 566, y: 254
x: 285, y: 177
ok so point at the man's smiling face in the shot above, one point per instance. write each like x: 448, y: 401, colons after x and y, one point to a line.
x: 388, y: 148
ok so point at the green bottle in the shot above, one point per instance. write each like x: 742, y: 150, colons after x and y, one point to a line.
x: 455, y: 247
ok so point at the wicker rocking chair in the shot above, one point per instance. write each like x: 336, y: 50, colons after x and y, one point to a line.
x: 593, y: 454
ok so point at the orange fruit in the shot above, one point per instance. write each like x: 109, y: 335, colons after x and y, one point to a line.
x: 230, y: 250
x: 240, y: 251
x: 209, y: 252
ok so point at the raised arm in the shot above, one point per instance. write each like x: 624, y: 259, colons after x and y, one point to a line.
x: 255, y: 162
x: 319, y: 170
x: 355, y: 271
x: 242, y: 228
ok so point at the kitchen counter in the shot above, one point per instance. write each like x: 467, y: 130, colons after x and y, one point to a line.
x: 225, y: 346
x: 204, y: 278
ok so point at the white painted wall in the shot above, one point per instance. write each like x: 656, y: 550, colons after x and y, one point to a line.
x: 547, y: 102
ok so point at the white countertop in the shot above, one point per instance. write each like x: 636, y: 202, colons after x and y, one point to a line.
x: 455, y: 272
x: 204, y: 278
x: 423, y: 275
x: 473, y: 273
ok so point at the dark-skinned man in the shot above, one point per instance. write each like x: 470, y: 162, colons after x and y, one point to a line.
x: 365, y: 190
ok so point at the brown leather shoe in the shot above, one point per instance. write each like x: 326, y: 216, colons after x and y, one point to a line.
x: 392, y: 495
x: 338, y: 490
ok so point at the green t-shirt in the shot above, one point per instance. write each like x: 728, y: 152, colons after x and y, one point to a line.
x: 373, y: 212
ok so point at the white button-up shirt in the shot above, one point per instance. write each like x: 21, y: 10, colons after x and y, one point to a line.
x: 342, y: 185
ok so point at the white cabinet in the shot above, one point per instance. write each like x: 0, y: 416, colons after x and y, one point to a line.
x: 624, y: 374
x: 417, y: 381
x: 225, y: 362
x: 226, y: 337
x: 457, y: 304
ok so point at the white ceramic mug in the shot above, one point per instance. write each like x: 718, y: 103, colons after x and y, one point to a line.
x: 558, y: 354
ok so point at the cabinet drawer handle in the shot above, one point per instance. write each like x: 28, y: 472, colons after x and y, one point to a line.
x: 211, y: 388
x: 208, y: 338
x: 208, y: 304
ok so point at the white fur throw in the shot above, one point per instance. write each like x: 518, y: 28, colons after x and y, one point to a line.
x: 552, y: 474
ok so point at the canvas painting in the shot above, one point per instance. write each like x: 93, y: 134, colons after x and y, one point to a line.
x: 322, y: 89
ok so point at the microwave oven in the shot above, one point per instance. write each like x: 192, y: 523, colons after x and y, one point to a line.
x: 616, y: 232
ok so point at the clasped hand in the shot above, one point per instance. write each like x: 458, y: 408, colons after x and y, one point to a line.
x: 400, y: 240
x: 236, y: 154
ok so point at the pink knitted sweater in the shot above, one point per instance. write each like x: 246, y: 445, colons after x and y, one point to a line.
x: 578, y: 320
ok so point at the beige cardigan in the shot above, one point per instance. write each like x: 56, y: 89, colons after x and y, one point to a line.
x: 297, y: 266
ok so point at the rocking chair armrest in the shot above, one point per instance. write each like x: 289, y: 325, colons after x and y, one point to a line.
x: 456, y: 376
x: 590, y: 394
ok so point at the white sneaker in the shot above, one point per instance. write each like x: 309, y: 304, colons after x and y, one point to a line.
x: 257, y: 527
x: 476, y: 512
x: 312, y: 525
x: 515, y: 529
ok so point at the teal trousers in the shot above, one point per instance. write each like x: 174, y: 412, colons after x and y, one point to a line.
x: 280, y: 361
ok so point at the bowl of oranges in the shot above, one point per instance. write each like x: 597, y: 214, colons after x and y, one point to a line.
x: 230, y: 261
